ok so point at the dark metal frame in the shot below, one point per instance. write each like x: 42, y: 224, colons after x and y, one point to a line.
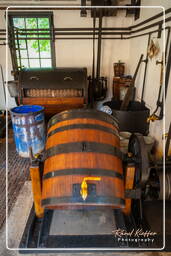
x: 36, y: 235
x: 129, y: 29
x: 12, y: 35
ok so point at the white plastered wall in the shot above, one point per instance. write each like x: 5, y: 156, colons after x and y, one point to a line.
x: 78, y: 53
x: 3, y: 64
x: 138, y: 46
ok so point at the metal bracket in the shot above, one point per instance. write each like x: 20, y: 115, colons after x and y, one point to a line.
x: 133, y: 193
x: 159, y: 62
x: 160, y: 29
x: 145, y: 60
x: 83, y: 12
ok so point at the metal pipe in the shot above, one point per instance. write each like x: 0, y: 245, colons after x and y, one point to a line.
x: 99, y: 45
x: 145, y: 70
x: 123, y: 38
x: 167, y: 44
x: 75, y: 33
x: 90, y: 38
x: 168, y: 71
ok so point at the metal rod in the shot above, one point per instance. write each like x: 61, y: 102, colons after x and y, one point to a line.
x: 18, y: 45
x: 167, y: 44
x: 27, y: 45
x: 168, y: 67
x: 145, y: 70
x: 72, y: 29
x: 76, y: 33
x: 3, y: 83
x: 38, y: 45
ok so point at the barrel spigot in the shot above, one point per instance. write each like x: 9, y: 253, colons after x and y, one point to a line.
x: 84, y: 186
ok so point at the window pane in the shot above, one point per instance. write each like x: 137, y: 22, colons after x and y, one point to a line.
x: 45, y: 50
x: 33, y: 48
x: 22, y: 44
x: 43, y: 22
x: 31, y: 22
x: 23, y: 54
x: 18, y: 22
x: 18, y: 62
x: 34, y: 63
x: 24, y: 63
x: 46, y: 63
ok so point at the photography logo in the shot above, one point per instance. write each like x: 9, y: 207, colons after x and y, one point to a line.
x: 137, y: 237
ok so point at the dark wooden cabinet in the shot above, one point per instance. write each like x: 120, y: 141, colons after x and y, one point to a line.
x: 120, y: 84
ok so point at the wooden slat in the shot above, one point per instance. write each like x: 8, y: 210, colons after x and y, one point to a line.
x: 54, y: 106
x: 81, y: 121
x: 80, y: 160
x: 77, y: 135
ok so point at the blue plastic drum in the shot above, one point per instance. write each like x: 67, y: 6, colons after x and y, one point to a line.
x: 29, y: 129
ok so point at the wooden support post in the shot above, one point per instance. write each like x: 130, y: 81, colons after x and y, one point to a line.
x: 36, y: 190
x: 129, y: 183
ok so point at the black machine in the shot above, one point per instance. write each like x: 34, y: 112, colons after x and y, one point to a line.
x: 57, y: 89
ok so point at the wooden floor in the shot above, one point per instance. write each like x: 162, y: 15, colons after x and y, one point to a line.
x: 18, y: 173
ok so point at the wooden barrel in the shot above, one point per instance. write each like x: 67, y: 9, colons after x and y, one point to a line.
x: 82, y: 155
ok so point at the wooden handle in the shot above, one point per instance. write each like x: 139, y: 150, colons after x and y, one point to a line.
x: 126, y: 100
x: 36, y: 190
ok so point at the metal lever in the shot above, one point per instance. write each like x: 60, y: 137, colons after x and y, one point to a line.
x: 159, y: 62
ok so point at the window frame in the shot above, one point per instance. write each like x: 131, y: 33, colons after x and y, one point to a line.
x: 48, y: 15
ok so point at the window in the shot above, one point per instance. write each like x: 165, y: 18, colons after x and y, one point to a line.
x: 30, y: 48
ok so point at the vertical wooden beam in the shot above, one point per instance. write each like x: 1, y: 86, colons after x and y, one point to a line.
x: 129, y: 183
x: 36, y: 190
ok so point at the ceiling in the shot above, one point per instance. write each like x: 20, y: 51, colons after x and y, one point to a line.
x: 5, y: 3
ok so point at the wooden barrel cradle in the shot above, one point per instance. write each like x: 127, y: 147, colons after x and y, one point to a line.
x: 83, y: 165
